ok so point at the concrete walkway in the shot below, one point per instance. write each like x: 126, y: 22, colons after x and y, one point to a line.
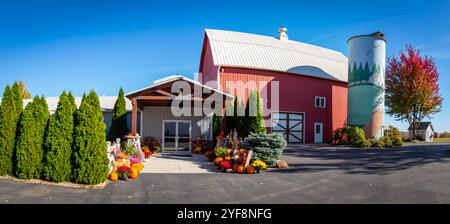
x: 182, y: 163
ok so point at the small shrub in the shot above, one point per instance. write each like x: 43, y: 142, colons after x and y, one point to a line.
x: 365, y: 144
x: 387, y: 142
x: 350, y: 135
x: 356, y: 136
x: 266, y: 147
x: 397, y: 142
x: 392, y: 137
x: 376, y: 143
x: 339, y: 137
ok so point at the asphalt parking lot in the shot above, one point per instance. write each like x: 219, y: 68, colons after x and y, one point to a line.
x: 317, y: 174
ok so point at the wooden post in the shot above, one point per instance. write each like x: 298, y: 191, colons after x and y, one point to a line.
x: 134, y: 116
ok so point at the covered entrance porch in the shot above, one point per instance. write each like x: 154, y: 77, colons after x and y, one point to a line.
x: 161, y: 118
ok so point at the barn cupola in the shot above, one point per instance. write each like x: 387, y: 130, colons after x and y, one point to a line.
x: 282, y: 33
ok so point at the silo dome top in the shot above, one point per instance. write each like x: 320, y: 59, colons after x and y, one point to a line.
x: 380, y: 35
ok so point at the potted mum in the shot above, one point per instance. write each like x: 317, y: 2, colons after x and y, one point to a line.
x: 123, y: 172
x: 259, y: 165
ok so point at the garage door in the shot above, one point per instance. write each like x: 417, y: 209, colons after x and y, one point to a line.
x: 290, y: 125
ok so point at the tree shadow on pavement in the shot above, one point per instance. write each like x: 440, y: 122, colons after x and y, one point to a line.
x: 309, y: 158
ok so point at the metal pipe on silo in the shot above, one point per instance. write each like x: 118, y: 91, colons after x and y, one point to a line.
x: 366, y: 82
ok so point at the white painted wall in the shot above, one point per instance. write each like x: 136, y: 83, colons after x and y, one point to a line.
x: 427, y: 135
x: 152, y: 121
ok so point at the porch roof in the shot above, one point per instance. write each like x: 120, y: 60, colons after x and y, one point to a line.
x: 159, y: 94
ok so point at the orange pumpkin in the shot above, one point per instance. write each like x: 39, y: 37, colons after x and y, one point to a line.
x: 218, y: 160
x: 137, y: 166
x: 113, y: 176
x: 241, y: 169
x: 250, y: 169
x: 235, y: 167
x: 134, y: 173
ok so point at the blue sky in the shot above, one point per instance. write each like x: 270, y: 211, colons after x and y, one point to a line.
x: 80, y: 45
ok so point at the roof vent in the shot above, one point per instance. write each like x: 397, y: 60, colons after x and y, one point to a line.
x: 282, y: 33
x: 378, y: 34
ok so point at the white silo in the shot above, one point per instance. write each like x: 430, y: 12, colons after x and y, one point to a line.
x: 366, y: 82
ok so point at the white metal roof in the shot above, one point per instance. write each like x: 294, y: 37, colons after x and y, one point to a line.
x: 172, y: 78
x: 106, y: 102
x: 236, y: 49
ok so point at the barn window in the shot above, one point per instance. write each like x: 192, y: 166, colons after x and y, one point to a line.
x: 320, y: 102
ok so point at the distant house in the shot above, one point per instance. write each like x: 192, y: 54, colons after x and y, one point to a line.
x: 424, y: 130
x: 106, y: 102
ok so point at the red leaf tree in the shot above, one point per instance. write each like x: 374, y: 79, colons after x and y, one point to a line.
x: 412, y: 88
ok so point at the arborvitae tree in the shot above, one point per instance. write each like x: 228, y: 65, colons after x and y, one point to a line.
x: 217, y: 126
x: 17, y: 93
x: 253, y: 119
x: 242, y: 121
x: 73, y: 104
x: 41, y: 117
x: 58, y: 143
x: 119, y: 125
x: 229, y: 118
x: 90, y: 165
x: 28, y: 155
x: 8, y: 129
x: 30, y: 139
x: 260, y: 116
x: 237, y: 118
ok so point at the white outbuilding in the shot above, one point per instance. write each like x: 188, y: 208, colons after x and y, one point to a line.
x: 424, y: 130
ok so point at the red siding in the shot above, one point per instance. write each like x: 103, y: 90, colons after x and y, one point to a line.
x: 208, y: 70
x: 297, y: 94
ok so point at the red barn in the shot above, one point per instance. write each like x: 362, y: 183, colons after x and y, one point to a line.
x: 312, y: 80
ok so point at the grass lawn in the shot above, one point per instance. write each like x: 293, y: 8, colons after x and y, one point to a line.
x: 442, y: 140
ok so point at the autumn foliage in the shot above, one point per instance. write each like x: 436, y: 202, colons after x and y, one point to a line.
x: 412, y: 88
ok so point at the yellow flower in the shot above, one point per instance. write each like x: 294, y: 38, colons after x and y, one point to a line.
x: 259, y: 163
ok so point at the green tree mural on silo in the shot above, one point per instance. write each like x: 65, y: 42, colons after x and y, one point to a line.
x: 362, y: 74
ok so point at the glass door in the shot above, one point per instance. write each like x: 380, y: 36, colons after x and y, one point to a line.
x: 169, y: 135
x: 176, y: 136
x: 184, y: 132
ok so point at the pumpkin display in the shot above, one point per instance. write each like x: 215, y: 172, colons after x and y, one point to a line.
x: 235, y: 167
x: 218, y: 160
x: 137, y: 166
x: 241, y: 169
x: 134, y: 173
x: 224, y: 165
x: 250, y: 169
x: 113, y: 176
x: 123, y: 162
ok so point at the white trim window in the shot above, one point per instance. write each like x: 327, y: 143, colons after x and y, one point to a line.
x: 320, y: 102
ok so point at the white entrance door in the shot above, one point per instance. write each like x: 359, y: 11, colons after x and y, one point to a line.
x: 176, y: 136
x: 318, y: 133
